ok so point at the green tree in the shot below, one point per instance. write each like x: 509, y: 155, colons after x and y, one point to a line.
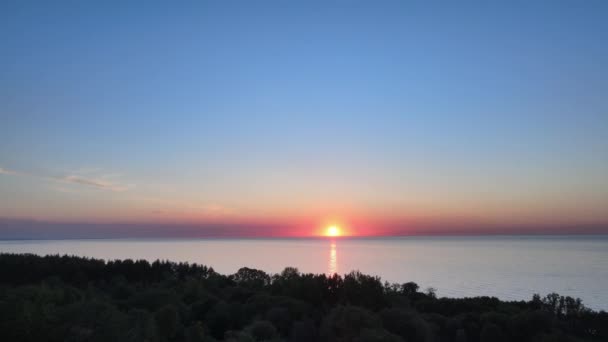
x: 167, y: 321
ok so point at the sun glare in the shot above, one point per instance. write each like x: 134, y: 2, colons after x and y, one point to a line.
x: 332, y: 231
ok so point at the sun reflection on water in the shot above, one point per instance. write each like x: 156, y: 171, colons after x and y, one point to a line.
x: 333, y: 259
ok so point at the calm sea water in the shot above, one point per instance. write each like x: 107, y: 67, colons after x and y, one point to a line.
x: 511, y: 268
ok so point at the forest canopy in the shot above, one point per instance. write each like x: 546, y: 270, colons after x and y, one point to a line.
x: 67, y: 298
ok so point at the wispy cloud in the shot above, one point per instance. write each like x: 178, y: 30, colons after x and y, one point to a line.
x: 100, y: 182
x: 188, y: 208
x: 4, y: 171
x: 215, y: 210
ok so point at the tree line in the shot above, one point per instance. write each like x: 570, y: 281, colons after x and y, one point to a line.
x: 67, y: 298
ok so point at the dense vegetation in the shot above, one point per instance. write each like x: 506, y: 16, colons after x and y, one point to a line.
x: 64, y: 298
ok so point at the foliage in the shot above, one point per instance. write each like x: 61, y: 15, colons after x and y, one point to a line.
x: 65, y: 298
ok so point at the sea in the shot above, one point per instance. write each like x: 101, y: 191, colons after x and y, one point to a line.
x: 507, y: 267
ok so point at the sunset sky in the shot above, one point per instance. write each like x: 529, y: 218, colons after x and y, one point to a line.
x: 279, y: 119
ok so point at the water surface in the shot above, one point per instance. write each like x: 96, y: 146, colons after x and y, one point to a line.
x: 509, y: 267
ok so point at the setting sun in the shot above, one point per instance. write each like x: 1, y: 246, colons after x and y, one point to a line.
x: 333, y: 231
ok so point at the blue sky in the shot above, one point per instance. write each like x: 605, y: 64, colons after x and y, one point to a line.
x: 367, y: 113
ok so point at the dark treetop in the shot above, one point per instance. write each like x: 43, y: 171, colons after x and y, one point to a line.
x: 65, y: 298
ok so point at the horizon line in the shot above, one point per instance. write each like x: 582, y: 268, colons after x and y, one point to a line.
x: 313, y: 237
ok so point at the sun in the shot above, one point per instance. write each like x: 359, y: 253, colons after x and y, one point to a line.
x: 333, y: 231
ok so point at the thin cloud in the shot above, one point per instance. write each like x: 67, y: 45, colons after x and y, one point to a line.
x: 216, y: 210
x: 177, y: 207
x: 95, y: 183
x: 100, y: 183
x: 7, y: 172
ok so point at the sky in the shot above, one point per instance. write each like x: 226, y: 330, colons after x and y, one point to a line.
x: 278, y: 118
